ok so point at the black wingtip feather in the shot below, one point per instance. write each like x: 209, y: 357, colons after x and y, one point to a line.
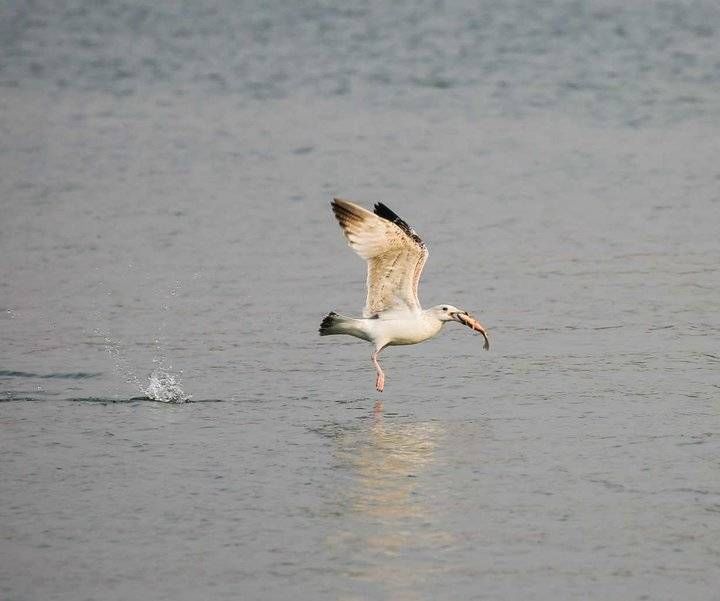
x: 382, y: 210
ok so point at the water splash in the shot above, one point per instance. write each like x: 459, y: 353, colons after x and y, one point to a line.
x: 165, y: 388
x: 163, y: 384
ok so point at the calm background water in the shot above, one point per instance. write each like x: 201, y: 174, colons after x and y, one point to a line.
x: 165, y: 174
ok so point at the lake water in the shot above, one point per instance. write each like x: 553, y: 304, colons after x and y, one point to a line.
x: 165, y: 176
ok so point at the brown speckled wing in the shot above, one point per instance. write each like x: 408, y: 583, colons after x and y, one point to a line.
x: 395, y: 255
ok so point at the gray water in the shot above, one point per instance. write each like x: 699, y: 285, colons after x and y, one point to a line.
x: 165, y: 176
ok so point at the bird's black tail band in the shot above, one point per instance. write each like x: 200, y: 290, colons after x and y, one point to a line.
x: 329, y: 324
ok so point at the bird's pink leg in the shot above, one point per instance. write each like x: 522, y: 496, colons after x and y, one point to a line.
x: 380, y: 382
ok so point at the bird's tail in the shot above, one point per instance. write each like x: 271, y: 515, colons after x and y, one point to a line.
x: 332, y: 324
x: 337, y: 324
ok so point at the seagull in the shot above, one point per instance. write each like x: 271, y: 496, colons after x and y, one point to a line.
x: 395, y: 257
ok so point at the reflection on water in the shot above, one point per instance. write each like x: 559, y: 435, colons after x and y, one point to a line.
x: 388, y: 520
x: 387, y: 461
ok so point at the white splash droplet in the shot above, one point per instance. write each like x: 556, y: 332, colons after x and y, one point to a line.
x: 165, y: 388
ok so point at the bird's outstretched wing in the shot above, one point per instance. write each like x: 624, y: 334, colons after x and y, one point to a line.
x: 395, y: 255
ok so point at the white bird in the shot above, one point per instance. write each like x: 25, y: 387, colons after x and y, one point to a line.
x: 395, y: 257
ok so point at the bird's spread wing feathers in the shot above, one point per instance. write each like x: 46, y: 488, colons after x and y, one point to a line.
x: 395, y: 255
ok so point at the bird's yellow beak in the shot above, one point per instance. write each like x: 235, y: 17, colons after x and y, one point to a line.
x: 466, y: 319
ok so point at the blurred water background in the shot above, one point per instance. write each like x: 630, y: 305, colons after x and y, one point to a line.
x: 165, y: 174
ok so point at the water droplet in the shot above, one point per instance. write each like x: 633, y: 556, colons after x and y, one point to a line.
x: 165, y: 388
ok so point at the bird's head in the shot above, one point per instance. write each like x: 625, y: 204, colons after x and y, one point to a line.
x: 450, y: 313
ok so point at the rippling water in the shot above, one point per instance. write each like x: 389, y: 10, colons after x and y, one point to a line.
x: 165, y: 233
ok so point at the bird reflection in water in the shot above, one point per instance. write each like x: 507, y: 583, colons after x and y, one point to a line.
x: 389, y: 526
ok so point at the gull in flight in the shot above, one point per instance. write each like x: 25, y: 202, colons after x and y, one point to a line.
x: 395, y: 257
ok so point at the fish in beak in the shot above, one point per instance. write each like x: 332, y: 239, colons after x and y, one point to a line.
x: 468, y: 320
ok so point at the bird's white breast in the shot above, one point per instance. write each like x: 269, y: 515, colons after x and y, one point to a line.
x: 408, y: 328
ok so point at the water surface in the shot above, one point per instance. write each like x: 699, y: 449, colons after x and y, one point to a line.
x: 165, y: 175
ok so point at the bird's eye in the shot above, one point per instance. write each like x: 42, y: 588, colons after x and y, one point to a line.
x: 444, y: 308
